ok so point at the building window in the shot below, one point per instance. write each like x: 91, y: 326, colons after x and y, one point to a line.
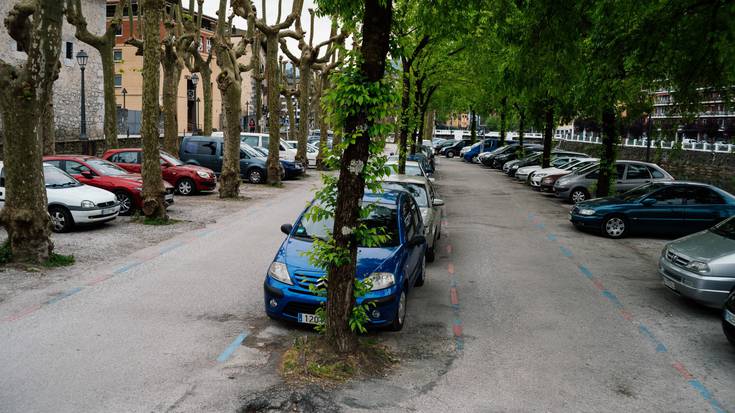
x: 118, y: 80
x: 117, y: 55
x: 69, y: 55
x: 118, y: 30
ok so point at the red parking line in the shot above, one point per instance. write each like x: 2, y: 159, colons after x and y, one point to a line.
x: 449, y: 249
x: 626, y: 315
x: 450, y: 268
x: 98, y: 279
x: 684, y: 372
x: 23, y: 313
x: 453, y: 296
x: 598, y: 284
x: 457, y: 329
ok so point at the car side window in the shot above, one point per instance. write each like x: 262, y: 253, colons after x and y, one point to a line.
x: 655, y: 173
x: 54, y: 163
x: 620, y: 169
x: 674, y: 195
x: 190, y: 147
x: 407, y: 217
x: 243, y: 155
x: 74, y: 168
x: 252, y: 140
x: 637, y: 172
x: 207, y: 148
x: 415, y: 215
x: 705, y: 196
x: 128, y: 157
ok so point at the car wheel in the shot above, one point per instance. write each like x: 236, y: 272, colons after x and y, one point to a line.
x: 475, y: 160
x: 450, y: 154
x: 422, y: 279
x: 400, y: 317
x: 61, y: 219
x: 614, y: 226
x: 185, y: 186
x: 578, y: 195
x: 431, y: 253
x: 729, y: 330
x: 126, y: 202
x: 255, y: 176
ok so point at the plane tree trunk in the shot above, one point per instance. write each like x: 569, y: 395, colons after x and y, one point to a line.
x: 25, y: 93
x: 548, y: 134
x: 376, y: 27
x: 153, y: 190
x: 608, y: 170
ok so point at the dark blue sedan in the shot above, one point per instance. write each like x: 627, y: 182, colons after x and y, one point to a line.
x: 663, y: 207
x: 393, y: 268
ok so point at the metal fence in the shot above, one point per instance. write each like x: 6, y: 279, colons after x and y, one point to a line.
x: 642, y: 143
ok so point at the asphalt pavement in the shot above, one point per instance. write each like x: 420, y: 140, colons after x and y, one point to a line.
x: 520, y: 312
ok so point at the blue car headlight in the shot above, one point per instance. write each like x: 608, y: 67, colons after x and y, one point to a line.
x: 278, y: 271
x: 380, y: 280
x: 586, y: 212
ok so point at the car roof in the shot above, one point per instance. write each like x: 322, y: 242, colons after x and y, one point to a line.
x: 74, y: 157
x: 411, y: 163
x: 408, y: 179
x: 204, y: 138
x: 389, y: 197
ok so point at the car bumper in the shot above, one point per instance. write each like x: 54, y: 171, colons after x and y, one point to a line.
x: 521, y: 176
x: 707, y: 290
x: 562, y: 192
x: 535, y: 182
x: 91, y: 216
x: 206, y: 184
x: 592, y: 222
x: 290, y: 301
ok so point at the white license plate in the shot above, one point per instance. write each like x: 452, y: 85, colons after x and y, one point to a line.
x: 730, y: 317
x: 309, y: 318
x: 108, y: 211
x: 169, y: 197
x: 669, y: 283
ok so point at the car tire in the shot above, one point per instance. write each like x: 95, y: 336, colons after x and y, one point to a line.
x: 400, y: 318
x: 450, y: 154
x: 126, y: 202
x: 729, y: 331
x: 615, y: 226
x: 475, y: 160
x: 185, y: 187
x: 422, y: 279
x: 431, y: 253
x: 61, y: 219
x: 256, y: 176
x: 578, y: 195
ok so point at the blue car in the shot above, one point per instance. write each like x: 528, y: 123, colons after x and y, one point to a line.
x: 661, y: 207
x: 485, y: 145
x: 394, y: 267
x: 291, y: 169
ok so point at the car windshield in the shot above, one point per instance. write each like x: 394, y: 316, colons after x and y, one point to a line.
x: 250, y: 151
x: 171, y: 159
x: 587, y: 168
x: 56, y: 178
x: 107, y: 168
x: 640, y: 191
x: 381, y: 216
x: 260, y: 152
x: 417, y: 191
x: 725, y: 228
x: 411, y: 170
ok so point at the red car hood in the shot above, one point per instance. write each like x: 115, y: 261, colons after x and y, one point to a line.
x: 139, y: 178
x: 195, y: 168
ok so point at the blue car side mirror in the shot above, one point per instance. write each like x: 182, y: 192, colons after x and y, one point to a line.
x: 648, y: 201
x: 416, y: 240
x: 286, y: 228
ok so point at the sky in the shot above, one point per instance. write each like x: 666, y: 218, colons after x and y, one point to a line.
x: 321, y: 25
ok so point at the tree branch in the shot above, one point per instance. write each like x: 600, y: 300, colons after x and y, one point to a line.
x: 18, y: 22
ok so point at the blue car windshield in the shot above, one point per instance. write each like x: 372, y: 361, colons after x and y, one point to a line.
x: 383, y: 217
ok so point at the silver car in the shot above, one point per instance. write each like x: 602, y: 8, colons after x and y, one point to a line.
x: 576, y: 187
x: 701, y: 266
x: 430, y: 205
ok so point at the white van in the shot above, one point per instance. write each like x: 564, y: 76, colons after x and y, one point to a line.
x: 285, y: 151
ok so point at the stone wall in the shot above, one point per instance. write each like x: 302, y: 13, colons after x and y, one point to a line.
x: 710, y: 167
x: 67, y: 89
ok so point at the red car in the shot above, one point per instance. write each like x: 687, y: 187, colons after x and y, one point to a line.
x: 187, y: 179
x: 90, y: 170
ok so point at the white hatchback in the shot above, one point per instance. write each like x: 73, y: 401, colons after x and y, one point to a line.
x: 71, y: 202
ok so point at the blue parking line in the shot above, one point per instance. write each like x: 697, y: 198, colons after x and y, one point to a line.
x: 237, y: 342
x: 706, y: 395
x: 566, y: 251
x: 170, y: 248
x: 204, y: 233
x: 585, y: 271
x: 660, y: 347
x: 63, y: 295
x: 127, y: 267
x: 540, y: 226
x: 612, y: 298
x: 551, y: 237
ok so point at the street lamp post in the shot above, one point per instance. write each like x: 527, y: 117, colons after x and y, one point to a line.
x: 125, y: 111
x: 194, y: 81
x: 82, y: 61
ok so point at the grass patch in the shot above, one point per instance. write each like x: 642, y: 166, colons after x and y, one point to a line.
x: 159, y: 221
x: 58, y: 260
x: 311, y: 360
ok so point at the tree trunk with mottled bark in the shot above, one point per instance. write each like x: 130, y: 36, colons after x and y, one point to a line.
x: 548, y: 134
x: 404, y: 117
x: 25, y: 92
x: 274, y: 136
x: 608, y: 171
x: 206, y: 74
x: 47, y: 132
x: 521, y: 127
x: 153, y: 190
x: 304, y: 106
x: 171, y: 78
x: 503, y: 110
x: 323, y: 126
x: 376, y: 27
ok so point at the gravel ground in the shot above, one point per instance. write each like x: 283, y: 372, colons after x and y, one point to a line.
x: 91, y: 246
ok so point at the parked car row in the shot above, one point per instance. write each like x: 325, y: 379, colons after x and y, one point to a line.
x: 407, y: 209
x: 648, y: 200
